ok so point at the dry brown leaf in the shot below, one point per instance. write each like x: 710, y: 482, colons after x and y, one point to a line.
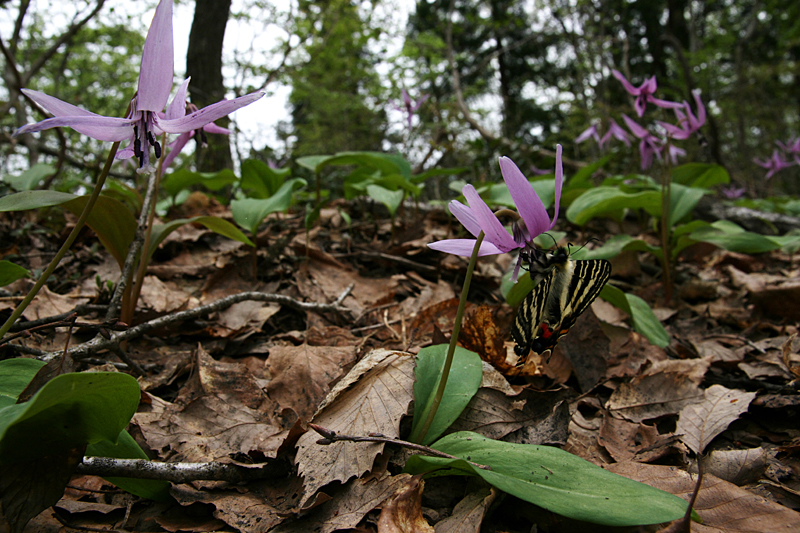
x: 303, y: 374
x: 48, y: 303
x: 251, y: 315
x: 482, y: 335
x: 724, y: 507
x: 629, y: 441
x: 221, y: 411
x: 372, y: 398
x: 348, y: 505
x: 402, y: 512
x: 653, y: 396
x: 586, y: 347
x: 468, y: 514
x: 699, y: 423
x: 528, y: 418
x: 162, y: 297
x: 256, y: 509
x: 739, y: 467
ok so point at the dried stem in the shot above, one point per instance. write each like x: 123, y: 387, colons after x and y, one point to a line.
x: 329, y: 437
x: 179, y: 472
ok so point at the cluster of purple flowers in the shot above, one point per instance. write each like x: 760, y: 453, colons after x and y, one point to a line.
x: 650, y: 145
x: 780, y: 158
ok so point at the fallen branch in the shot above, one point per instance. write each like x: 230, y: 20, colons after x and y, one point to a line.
x: 100, y: 343
x: 329, y: 437
x: 179, y: 472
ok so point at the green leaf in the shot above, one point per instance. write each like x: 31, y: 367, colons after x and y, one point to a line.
x: 611, y: 202
x: 645, y: 321
x: 582, y: 178
x: 701, y: 175
x: 250, y: 212
x: 29, y: 179
x: 113, y: 223
x: 616, y: 245
x: 69, y: 410
x: 419, y: 178
x: 15, y: 374
x: 313, y: 162
x: 183, y: 178
x: 127, y: 448
x: 11, y: 272
x: 261, y: 180
x: 391, y: 199
x: 462, y: 384
x: 682, y: 201
x: 554, y: 479
x: 731, y: 237
x: 215, y: 224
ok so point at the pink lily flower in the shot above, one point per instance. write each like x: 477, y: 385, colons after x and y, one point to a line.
x: 411, y: 106
x: 774, y: 164
x: 644, y: 93
x: 146, y: 120
x: 688, y: 123
x: 733, y: 192
x: 477, y: 216
x: 614, y: 130
x: 590, y: 132
x: 649, y: 144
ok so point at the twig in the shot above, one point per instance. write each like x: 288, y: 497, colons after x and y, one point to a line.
x: 329, y: 437
x: 97, y: 344
x: 78, y: 310
x: 63, y: 324
x: 179, y: 472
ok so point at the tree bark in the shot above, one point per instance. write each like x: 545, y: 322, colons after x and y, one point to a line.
x: 204, y: 66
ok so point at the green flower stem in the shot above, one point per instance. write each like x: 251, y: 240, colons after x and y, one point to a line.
x: 419, y: 435
x: 64, y: 247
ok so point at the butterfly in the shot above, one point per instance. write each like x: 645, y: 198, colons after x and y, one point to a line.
x: 564, y: 289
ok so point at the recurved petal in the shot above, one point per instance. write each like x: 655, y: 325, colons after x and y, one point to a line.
x: 464, y: 247
x: 57, y: 107
x: 177, y: 108
x: 198, y: 119
x: 213, y: 128
x: 528, y: 203
x: 666, y: 104
x: 176, y: 146
x: 98, y: 127
x: 464, y: 215
x: 625, y: 83
x: 487, y: 220
x: 559, y: 183
x: 158, y: 61
x: 635, y: 128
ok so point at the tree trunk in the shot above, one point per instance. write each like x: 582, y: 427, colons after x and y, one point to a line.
x: 204, y: 65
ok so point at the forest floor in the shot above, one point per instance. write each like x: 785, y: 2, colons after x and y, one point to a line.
x: 239, y: 385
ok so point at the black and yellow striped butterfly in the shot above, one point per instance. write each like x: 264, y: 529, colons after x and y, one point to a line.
x: 564, y: 289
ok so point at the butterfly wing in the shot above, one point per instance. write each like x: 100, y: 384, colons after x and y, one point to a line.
x: 588, y: 279
x: 529, y: 316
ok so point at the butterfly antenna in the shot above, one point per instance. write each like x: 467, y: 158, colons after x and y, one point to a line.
x: 553, y: 239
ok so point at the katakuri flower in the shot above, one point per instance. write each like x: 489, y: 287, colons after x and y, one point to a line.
x: 649, y: 144
x: 590, y: 132
x: 614, y: 130
x: 644, y: 93
x: 732, y: 192
x: 688, y: 123
x: 477, y: 216
x: 792, y: 147
x: 411, y: 106
x: 146, y: 120
x: 774, y: 164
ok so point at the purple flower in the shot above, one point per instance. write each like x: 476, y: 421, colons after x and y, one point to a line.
x: 674, y: 153
x: 688, y: 123
x: 614, y: 130
x: 733, y: 192
x: 792, y: 147
x: 146, y: 120
x: 774, y: 164
x: 477, y: 216
x: 644, y: 93
x: 410, y: 106
x: 649, y: 144
x: 590, y: 132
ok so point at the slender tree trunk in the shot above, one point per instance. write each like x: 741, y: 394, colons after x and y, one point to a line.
x: 204, y: 65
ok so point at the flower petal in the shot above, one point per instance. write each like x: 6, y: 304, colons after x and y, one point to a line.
x: 98, y: 127
x: 57, y: 107
x: 175, y: 147
x: 198, y: 119
x: 213, y: 128
x: 625, y: 83
x: 464, y: 215
x: 591, y: 131
x: 495, y: 231
x: 528, y: 203
x: 559, y: 183
x: 665, y: 104
x: 158, y: 61
x: 177, y: 108
x: 464, y: 247
x: 635, y: 128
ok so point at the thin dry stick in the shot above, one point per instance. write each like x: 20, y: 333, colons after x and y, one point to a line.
x: 329, y: 437
x: 179, y: 472
x: 97, y: 344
